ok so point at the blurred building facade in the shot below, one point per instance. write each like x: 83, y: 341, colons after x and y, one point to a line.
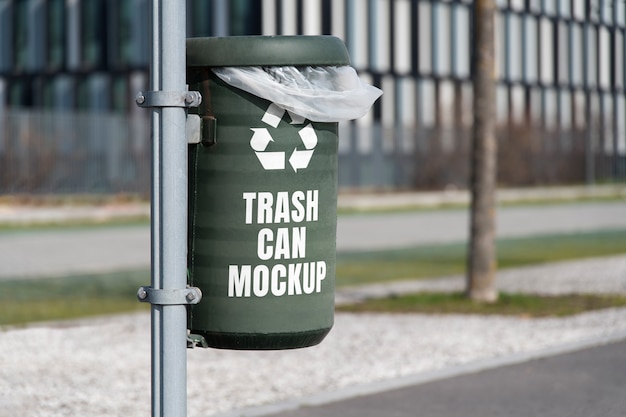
x: 70, y: 69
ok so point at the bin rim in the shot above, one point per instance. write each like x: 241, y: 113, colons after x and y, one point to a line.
x: 234, y: 51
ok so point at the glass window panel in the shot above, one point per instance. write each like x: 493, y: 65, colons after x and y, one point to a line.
x: 427, y: 103
x: 549, y: 7
x: 550, y: 108
x: 441, y: 39
x: 535, y: 6
x: 619, y: 59
x: 48, y: 94
x: 579, y: 10
x: 125, y: 33
x: 268, y: 17
x: 590, y: 59
x: 56, y: 33
x: 604, y: 77
x: 514, y: 48
x: 200, y: 18
x: 621, y: 126
x: 6, y: 44
x: 312, y: 17
x: 565, y: 110
x: 64, y: 92
x: 93, y: 32
x: 120, y: 94
x: 502, y: 104
x: 19, y: 94
x: 546, y: 51
x: 407, y: 112
x: 388, y: 105
x: 36, y: 36
x: 379, y: 48
x: 607, y: 11
x: 446, y: 104
x: 245, y: 17
x: 579, y: 109
x: 402, y: 36
x: 620, y: 13
x: 500, y: 46
x: 357, y: 14
x: 20, y: 36
x: 530, y: 52
x: 564, y: 8
x: 563, y: 53
x: 594, y: 10
x: 339, y: 19
x: 289, y: 23
x: 608, y: 122
x: 576, y: 54
x: 462, y: 41
x: 517, y: 104
x: 424, y: 37
x: 407, y: 101
x: 517, y: 5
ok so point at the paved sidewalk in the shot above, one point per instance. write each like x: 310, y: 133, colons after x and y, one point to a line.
x: 396, y: 230
x: 590, y: 382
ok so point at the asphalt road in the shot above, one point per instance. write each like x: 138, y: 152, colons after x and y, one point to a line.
x: 92, y: 250
x: 381, y: 231
x: 591, y: 382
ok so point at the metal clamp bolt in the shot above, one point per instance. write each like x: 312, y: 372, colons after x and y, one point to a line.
x: 142, y: 294
x: 140, y: 99
x: 168, y: 99
x: 190, y: 295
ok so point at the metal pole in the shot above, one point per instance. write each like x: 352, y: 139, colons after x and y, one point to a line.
x: 155, y: 218
x: 169, y: 212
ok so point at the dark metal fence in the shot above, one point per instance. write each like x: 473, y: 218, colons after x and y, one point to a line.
x: 561, y: 96
x: 61, y: 152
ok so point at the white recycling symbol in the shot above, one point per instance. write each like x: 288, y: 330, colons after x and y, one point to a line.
x: 261, y: 138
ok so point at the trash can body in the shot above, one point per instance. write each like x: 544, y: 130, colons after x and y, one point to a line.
x: 262, y: 207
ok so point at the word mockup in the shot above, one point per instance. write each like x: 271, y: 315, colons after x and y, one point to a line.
x: 271, y: 210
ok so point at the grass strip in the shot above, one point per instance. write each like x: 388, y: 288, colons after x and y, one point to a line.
x: 74, y: 224
x: 524, y: 305
x: 354, y: 268
x: 24, y: 301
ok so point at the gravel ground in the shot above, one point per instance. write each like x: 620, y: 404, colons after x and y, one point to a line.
x: 101, y: 367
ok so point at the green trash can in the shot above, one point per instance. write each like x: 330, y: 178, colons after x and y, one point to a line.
x: 262, y: 201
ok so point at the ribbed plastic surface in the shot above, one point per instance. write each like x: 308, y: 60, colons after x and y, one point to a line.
x: 266, y: 50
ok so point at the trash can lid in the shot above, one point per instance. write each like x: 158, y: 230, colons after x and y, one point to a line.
x: 266, y: 51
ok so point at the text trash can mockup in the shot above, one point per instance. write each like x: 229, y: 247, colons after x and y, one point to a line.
x: 263, y: 187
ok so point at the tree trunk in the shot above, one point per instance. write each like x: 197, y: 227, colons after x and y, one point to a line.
x: 481, y: 261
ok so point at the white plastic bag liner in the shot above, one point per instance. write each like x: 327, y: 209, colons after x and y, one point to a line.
x: 320, y: 94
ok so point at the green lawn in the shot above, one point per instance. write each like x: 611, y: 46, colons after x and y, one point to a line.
x: 441, y: 260
x: 24, y: 301
x: 508, y: 304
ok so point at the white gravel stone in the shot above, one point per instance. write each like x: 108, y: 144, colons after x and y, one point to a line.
x: 101, y: 367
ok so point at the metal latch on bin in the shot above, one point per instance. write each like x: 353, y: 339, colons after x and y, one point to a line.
x: 201, y: 129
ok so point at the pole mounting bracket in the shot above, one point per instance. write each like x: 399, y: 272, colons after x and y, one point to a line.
x: 168, y: 99
x: 190, y: 295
